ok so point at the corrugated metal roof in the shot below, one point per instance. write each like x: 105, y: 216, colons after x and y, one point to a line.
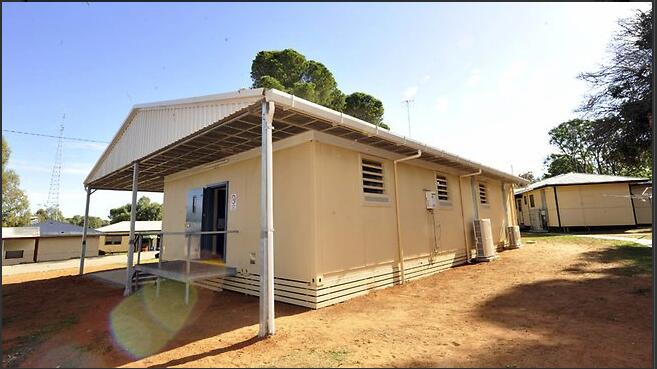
x: 197, y: 134
x: 20, y: 232
x: 150, y: 127
x: 124, y: 227
x: 51, y: 228
x: 578, y: 178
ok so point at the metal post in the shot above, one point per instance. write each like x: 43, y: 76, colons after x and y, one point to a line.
x: 133, y: 216
x: 505, y: 222
x: 85, y: 224
x: 139, y: 246
x: 267, y: 221
x: 187, y: 266
x: 159, y: 264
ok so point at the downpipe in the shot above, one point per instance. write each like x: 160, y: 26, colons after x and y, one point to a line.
x: 400, y: 250
x: 468, y: 257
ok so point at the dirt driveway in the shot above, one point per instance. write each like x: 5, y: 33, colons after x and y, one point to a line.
x: 560, y: 302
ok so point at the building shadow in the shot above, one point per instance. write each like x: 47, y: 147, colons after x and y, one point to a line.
x: 601, y: 319
x: 102, y: 328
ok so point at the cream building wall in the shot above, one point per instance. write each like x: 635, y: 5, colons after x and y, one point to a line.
x: 293, y: 209
x: 595, y: 205
x: 110, y: 248
x: 603, y: 204
x: 15, y: 244
x: 324, y: 225
x: 63, y: 248
x: 49, y: 248
x: 643, y: 209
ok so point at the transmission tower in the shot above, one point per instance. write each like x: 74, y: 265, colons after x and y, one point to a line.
x: 53, y: 193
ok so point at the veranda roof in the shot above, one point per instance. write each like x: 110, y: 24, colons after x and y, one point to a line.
x: 170, y: 136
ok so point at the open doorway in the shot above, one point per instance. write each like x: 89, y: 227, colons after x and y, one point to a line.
x: 214, y: 218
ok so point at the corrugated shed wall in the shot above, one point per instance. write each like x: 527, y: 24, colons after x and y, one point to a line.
x: 151, y: 129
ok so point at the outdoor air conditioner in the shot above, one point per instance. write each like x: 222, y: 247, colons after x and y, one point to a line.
x: 484, y: 240
x: 513, y: 235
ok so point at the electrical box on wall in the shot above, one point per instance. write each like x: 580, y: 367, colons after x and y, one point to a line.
x: 430, y: 199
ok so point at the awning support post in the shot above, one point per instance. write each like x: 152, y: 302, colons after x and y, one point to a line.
x: 133, y: 216
x: 267, y: 222
x: 85, y: 225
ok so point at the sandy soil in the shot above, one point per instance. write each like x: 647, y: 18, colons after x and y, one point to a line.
x: 555, y: 303
x: 26, y: 277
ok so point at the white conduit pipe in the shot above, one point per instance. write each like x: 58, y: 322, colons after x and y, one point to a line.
x: 465, y: 232
x: 400, y: 250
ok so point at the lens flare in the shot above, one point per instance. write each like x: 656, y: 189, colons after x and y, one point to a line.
x: 143, y: 323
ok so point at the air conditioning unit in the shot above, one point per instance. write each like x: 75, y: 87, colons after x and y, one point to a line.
x: 513, y: 235
x: 484, y: 240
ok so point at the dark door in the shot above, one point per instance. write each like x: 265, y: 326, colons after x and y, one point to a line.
x: 214, y: 219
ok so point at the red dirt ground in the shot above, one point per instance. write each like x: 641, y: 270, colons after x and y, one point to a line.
x: 560, y: 302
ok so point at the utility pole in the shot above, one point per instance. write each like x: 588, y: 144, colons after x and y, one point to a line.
x: 408, y: 113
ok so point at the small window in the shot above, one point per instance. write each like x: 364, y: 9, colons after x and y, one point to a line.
x: 14, y: 254
x: 525, y: 198
x: 112, y: 240
x: 519, y: 205
x: 372, y: 177
x: 441, y: 188
x: 483, y: 194
x: 531, y: 201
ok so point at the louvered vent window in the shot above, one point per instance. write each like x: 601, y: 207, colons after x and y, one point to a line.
x: 441, y: 188
x: 483, y: 195
x: 372, y: 177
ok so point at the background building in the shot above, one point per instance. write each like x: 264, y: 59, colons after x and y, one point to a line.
x: 584, y: 201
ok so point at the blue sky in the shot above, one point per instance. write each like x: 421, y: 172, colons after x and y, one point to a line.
x: 489, y: 80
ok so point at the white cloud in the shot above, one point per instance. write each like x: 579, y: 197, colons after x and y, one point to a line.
x: 410, y: 92
x: 442, y: 103
x: 426, y: 78
x: 474, y: 78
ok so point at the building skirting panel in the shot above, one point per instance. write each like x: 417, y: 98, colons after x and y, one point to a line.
x: 338, y: 288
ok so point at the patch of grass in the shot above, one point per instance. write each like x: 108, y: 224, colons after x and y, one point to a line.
x: 636, y: 257
x: 337, y: 355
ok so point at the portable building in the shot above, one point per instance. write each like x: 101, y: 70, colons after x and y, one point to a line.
x: 46, y: 241
x: 355, y: 207
x: 115, y: 237
x: 575, y: 201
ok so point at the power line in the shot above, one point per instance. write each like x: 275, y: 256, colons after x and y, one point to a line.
x: 51, y: 136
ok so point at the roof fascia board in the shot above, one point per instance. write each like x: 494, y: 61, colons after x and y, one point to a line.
x: 369, y: 129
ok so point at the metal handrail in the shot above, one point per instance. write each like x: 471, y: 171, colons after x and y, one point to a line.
x: 187, y: 234
x: 145, y: 233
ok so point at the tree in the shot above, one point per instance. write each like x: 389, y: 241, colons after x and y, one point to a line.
x: 528, y: 176
x: 289, y: 71
x: 94, y: 222
x: 365, y: 107
x: 621, y: 93
x: 591, y: 147
x: 49, y: 214
x: 15, y: 205
x: 146, y: 210
x: 558, y: 164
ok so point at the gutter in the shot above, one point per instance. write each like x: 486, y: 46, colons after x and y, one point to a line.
x: 468, y: 257
x: 400, y: 250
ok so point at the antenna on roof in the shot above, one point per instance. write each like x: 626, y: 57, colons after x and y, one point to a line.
x: 408, y: 113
